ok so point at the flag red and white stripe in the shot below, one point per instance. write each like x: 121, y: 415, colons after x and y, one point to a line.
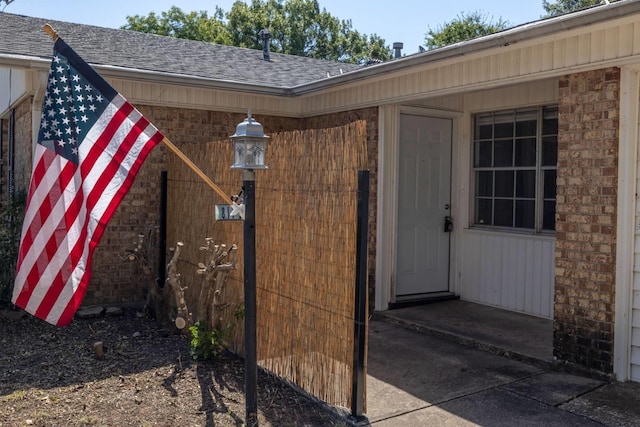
x: 91, y: 144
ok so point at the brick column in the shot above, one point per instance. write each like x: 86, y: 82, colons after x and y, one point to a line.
x: 589, y: 105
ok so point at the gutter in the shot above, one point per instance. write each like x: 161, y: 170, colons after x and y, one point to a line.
x: 504, y: 38
x: 43, y: 64
x: 191, y: 81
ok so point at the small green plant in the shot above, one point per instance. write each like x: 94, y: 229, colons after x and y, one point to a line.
x: 207, y: 344
x: 11, y: 216
x: 16, y: 395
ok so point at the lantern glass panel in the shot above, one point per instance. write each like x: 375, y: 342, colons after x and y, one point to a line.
x: 238, y: 153
x: 255, y: 152
x: 249, y: 153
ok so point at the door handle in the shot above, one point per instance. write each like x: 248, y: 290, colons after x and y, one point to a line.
x: 448, y: 224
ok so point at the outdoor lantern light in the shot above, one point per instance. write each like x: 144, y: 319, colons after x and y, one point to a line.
x: 249, y: 145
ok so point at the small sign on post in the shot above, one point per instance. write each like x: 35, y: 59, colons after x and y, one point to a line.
x: 224, y: 213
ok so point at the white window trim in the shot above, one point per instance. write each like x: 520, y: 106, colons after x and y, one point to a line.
x: 539, y: 199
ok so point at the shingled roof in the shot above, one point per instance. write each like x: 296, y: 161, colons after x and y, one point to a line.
x: 22, y: 36
x: 165, y: 59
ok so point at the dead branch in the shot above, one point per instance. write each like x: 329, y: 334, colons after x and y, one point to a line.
x: 183, y: 318
x: 214, y: 272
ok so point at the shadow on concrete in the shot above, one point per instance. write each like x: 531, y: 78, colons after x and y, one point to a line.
x: 429, y: 365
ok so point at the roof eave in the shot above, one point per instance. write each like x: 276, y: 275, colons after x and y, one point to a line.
x: 24, y: 62
x: 43, y: 64
x: 191, y: 81
x: 504, y: 38
x: 508, y: 37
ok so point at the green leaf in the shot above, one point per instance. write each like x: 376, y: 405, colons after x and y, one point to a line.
x: 464, y: 27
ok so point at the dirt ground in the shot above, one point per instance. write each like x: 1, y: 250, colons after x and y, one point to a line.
x: 49, y: 376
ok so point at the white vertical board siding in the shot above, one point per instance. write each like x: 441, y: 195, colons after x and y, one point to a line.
x: 5, y: 96
x: 635, y: 321
x: 635, y: 325
x: 514, y: 272
x: 635, y: 308
x: 503, y: 269
x: 13, y: 85
x: 634, y: 356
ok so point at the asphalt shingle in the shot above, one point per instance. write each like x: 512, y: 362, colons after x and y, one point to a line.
x: 23, y: 35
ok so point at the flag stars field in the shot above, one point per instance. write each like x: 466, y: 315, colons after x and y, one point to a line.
x: 61, y: 126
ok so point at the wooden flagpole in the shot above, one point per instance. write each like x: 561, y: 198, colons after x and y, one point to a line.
x: 54, y: 35
x: 197, y: 170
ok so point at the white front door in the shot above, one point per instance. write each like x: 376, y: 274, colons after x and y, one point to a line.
x: 424, y: 198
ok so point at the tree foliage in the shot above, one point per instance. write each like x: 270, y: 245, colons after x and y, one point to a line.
x: 463, y: 27
x: 176, y: 23
x: 559, y: 7
x: 297, y: 27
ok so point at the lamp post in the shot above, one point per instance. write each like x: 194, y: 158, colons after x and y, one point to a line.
x: 249, y: 149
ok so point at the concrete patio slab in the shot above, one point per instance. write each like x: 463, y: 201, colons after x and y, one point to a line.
x: 408, y: 370
x: 553, y: 388
x: 494, y: 407
x: 615, y: 404
x: 418, y: 377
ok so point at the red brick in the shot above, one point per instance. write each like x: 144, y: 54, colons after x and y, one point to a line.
x: 585, y: 256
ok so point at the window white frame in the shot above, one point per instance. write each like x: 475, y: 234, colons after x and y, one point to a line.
x: 496, y: 154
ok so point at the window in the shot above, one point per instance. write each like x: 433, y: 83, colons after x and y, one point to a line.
x: 514, y: 169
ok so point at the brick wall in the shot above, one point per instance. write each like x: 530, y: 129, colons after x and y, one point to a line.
x: 117, y: 280
x: 114, y: 278
x: 586, y: 218
x: 22, y: 149
x: 23, y: 144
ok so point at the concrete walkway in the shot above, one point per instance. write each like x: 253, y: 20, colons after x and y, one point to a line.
x: 415, y: 378
x: 503, y: 332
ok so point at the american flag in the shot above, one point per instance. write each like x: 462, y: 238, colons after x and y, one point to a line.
x: 91, y: 144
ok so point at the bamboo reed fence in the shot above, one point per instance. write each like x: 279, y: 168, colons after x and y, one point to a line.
x: 305, y: 243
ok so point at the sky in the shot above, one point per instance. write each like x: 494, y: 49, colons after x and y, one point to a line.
x: 404, y: 21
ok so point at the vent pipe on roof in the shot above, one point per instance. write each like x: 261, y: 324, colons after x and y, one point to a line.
x: 264, y: 35
x: 397, y: 49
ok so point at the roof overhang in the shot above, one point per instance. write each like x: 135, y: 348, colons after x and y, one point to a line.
x: 43, y: 64
x: 519, y: 34
x: 482, y: 45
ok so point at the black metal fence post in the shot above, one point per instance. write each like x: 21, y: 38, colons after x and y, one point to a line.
x: 250, y: 336
x: 360, y: 317
x: 162, y: 238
